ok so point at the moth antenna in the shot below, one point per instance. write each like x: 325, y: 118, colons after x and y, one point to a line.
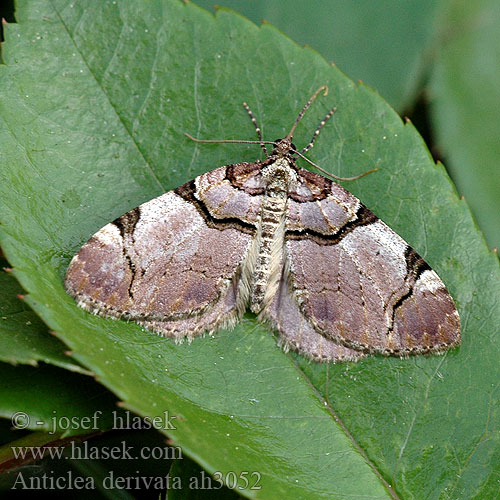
x: 305, y: 108
x: 237, y: 141
x: 316, y: 132
x: 257, y: 129
x: 333, y: 175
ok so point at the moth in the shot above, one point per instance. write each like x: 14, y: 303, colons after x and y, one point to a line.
x: 305, y: 255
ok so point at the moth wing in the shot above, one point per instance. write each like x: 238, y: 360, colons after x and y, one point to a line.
x: 169, y: 264
x: 357, y: 281
x: 224, y: 313
x: 297, y: 333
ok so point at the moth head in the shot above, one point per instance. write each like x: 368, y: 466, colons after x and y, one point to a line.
x: 283, y: 147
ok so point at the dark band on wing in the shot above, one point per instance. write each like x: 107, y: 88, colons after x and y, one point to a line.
x: 239, y: 173
x: 126, y: 224
x: 415, y: 266
x: 187, y: 192
x: 363, y: 217
x: 318, y: 187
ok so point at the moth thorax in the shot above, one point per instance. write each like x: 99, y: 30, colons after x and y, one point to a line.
x: 279, y: 177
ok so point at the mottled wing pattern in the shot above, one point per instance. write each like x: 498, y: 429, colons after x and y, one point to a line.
x: 297, y: 333
x: 357, y: 281
x: 231, y: 194
x: 225, y: 313
x: 172, y: 264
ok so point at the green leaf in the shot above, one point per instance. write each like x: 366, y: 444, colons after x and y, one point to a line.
x: 23, y: 336
x: 385, y: 44
x: 465, y: 104
x: 98, y: 130
x: 59, y: 402
x: 21, y: 451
